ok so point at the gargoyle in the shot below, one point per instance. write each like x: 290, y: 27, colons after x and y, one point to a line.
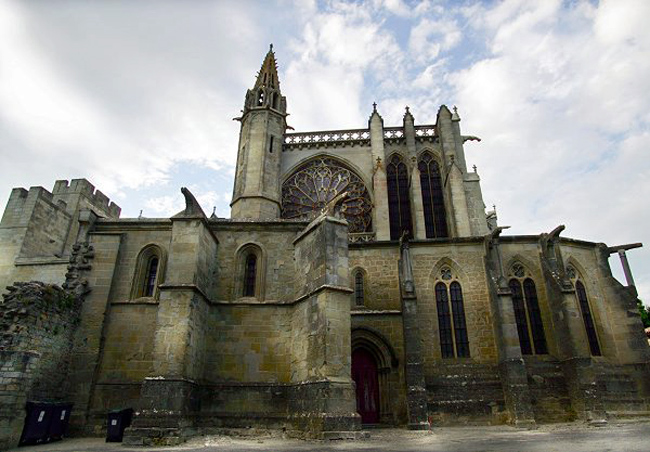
x: 328, y: 209
x: 192, y: 207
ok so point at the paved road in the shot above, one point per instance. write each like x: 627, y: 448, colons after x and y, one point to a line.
x: 621, y: 437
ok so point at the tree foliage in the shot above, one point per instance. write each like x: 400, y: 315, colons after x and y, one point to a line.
x: 645, y: 313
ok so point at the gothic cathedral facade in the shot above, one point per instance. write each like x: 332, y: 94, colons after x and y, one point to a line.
x: 358, y: 281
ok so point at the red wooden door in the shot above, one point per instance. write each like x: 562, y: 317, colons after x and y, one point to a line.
x: 364, y: 374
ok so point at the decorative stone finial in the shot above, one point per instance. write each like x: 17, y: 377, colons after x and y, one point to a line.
x: 271, y: 47
x: 140, y: 216
x: 407, y: 110
x: 474, y: 168
x: 374, y: 107
x: 454, y: 116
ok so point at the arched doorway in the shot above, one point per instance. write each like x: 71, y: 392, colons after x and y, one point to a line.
x: 366, y: 377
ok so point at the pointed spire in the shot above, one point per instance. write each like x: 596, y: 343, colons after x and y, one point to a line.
x: 268, y: 75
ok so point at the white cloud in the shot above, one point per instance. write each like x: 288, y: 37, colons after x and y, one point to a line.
x: 561, y: 103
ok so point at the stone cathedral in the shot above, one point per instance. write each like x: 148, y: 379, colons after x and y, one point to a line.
x: 358, y: 281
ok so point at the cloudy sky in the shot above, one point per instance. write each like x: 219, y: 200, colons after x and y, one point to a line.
x: 138, y: 97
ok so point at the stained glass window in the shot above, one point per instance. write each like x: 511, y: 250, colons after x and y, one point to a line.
x: 150, y: 279
x: 535, y: 315
x: 444, y: 322
x: 588, y: 319
x: 399, y: 208
x: 460, y: 327
x: 358, y: 288
x: 435, y: 217
x: 310, y: 188
x: 451, y: 322
x: 520, y: 317
x: 250, y: 274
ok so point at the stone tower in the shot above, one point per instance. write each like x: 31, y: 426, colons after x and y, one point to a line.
x: 257, y: 179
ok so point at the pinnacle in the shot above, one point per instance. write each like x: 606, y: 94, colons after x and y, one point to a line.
x: 268, y: 74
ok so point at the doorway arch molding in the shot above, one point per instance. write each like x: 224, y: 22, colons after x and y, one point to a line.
x: 377, y: 344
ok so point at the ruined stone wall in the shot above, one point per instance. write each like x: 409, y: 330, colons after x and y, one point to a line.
x: 37, y: 324
x: 39, y: 227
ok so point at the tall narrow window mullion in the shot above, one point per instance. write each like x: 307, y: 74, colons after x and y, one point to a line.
x: 393, y: 201
x: 520, y: 317
x: 150, y: 280
x: 535, y: 315
x: 358, y: 289
x: 404, y: 200
x: 427, y: 201
x: 460, y: 326
x: 250, y: 274
x: 440, y: 215
x: 444, y: 322
x: 587, y: 318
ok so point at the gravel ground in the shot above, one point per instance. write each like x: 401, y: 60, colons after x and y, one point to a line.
x: 614, y: 437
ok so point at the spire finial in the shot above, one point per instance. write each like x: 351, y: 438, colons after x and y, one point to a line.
x: 271, y: 47
x: 474, y: 167
x: 374, y: 107
x: 214, y: 208
x: 455, y: 116
x: 407, y: 109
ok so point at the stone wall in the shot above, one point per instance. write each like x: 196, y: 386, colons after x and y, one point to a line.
x: 37, y: 324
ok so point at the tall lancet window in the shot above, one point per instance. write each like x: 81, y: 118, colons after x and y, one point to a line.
x: 399, y: 208
x: 150, y: 279
x: 588, y: 319
x: 359, y: 296
x: 452, y: 326
x: 250, y: 272
x: 433, y: 202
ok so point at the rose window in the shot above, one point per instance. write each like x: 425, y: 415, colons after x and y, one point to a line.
x: 318, y: 182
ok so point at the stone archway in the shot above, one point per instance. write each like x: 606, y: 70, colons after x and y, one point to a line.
x: 373, y: 360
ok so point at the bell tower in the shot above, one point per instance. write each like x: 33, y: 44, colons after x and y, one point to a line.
x: 263, y: 122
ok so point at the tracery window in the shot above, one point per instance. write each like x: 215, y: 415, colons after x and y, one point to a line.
x: 587, y: 318
x: 452, y: 326
x: 435, y: 216
x: 527, y: 313
x: 250, y: 274
x: 359, y: 295
x: 312, y: 186
x: 399, y: 207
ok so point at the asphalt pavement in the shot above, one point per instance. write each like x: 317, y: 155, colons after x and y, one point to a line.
x: 631, y: 436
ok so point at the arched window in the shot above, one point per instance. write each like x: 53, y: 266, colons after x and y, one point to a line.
x: 250, y: 275
x: 150, y: 278
x: 433, y: 202
x: 359, y: 296
x: 149, y: 272
x: 527, y: 315
x: 454, y: 341
x: 399, y: 208
x: 587, y: 318
x: 535, y: 316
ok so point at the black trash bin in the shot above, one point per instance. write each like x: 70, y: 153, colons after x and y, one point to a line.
x: 59, y: 421
x: 37, y: 423
x: 118, y: 420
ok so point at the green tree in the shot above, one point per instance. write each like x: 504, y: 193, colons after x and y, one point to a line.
x: 645, y: 313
